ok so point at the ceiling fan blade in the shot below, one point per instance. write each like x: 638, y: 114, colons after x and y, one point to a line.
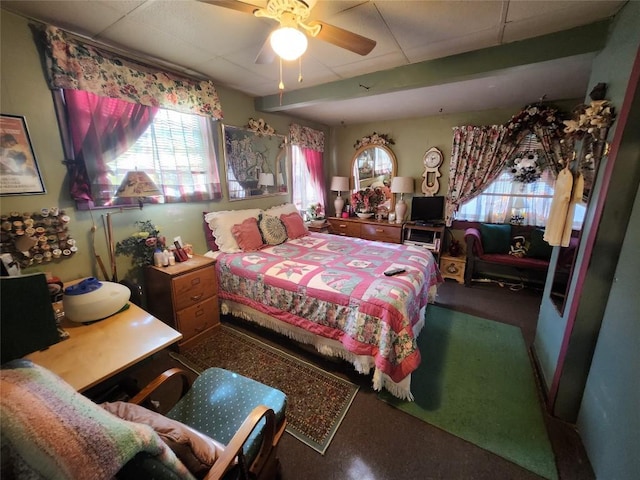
x: 266, y: 54
x: 233, y: 5
x: 344, y: 38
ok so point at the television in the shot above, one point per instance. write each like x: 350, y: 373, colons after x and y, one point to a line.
x: 427, y: 210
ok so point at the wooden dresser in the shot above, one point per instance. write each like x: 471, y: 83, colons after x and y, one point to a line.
x: 185, y: 297
x: 367, y: 229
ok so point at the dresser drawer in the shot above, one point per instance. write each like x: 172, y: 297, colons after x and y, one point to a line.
x: 381, y: 232
x: 194, y: 287
x: 344, y: 228
x: 198, y: 318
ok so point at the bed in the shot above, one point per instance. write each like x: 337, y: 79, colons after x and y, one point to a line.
x: 326, y: 290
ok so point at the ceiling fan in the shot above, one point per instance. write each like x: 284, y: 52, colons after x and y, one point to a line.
x: 293, y: 16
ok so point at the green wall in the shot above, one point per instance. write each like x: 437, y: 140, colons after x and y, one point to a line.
x: 24, y: 92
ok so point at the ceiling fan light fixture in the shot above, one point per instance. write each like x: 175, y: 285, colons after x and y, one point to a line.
x: 289, y: 43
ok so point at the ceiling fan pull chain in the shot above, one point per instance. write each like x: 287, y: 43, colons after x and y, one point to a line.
x: 281, y: 84
x: 300, y: 70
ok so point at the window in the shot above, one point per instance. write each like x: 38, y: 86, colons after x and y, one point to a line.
x: 508, y: 201
x: 109, y: 137
x: 177, y: 151
x: 305, y: 191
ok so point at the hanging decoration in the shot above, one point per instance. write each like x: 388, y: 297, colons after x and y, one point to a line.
x: 526, y: 167
x: 532, y: 116
x: 374, y: 139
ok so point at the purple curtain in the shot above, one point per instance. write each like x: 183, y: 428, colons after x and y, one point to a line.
x: 101, y: 128
x: 313, y: 158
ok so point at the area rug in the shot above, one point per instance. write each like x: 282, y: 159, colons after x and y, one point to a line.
x: 317, y: 401
x: 476, y: 382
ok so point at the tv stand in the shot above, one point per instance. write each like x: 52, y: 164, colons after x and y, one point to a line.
x: 425, y: 236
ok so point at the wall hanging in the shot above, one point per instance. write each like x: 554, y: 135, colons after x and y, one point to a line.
x: 19, y: 172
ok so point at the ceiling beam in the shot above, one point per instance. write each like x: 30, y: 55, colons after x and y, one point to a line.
x: 466, y: 66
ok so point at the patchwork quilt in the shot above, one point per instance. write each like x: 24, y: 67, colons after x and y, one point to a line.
x: 335, y: 287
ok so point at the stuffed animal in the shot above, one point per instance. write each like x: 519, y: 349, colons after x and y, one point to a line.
x: 518, y: 248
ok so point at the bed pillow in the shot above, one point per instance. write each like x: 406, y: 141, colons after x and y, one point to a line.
x: 247, y: 235
x: 272, y: 229
x: 496, y: 237
x: 294, y: 225
x: 221, y: 224
x: 197, y: 451
x: 283, y: 209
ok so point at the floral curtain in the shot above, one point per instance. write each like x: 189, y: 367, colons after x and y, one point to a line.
x: 478, y: 156
x: 311, y: 143
x: 72, y: 64
x: 306, y: 137
x: 100, y: 127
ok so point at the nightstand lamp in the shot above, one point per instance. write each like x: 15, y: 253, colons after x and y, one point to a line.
x: 339, y: 184
x: 401, y: 185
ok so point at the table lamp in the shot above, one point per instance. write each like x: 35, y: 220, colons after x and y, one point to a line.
x: 339, y: 184
x: 401, y: 185
x: 136, y: 185
x: 266, y: 181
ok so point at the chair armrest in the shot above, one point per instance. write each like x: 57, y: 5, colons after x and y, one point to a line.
x: 234, y: 447
x: 146, y: 392
x: 474, y: 241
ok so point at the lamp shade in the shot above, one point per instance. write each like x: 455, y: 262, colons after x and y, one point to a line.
x: 402, y: 185
x: 137, y: 185
x: 266, y: 179
x: 340, y: 184
x: 288, y: 42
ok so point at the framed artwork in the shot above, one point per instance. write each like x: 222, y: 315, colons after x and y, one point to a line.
x: 19, y: 172
x: 255, y: 163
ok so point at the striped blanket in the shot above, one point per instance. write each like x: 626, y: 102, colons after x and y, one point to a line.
x: 51, y: 431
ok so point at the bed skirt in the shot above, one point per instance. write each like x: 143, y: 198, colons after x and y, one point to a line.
x: 328, y: 347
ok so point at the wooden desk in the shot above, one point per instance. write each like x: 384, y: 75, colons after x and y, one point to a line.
x: 96, y: 352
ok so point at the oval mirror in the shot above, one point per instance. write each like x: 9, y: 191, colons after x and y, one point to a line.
x: 374, y: 166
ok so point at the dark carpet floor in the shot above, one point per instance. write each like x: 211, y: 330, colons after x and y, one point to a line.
x: 379, y: 442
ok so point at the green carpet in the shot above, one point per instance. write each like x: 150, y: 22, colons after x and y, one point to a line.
x: 476, y: 382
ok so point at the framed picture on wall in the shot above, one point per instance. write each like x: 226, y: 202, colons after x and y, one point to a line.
x: 19, y: 172
x: 255, y: 163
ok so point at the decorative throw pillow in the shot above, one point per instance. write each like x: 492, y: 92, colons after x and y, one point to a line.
x: 279, y: 210
x: 272, y: 229
x: 196, y: 451
x: 248, y: 235
x: 221, y: 224
x: 539, y: 248
x: 294, y: 224
x: 496, y: 237
x: 518, y: 246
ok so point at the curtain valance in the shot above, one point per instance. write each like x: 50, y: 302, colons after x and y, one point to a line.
x: 306, y: 137
x: 72, y: 64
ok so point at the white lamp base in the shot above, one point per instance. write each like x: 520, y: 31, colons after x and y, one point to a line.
x: 401, y: 210
x: 339, y: 204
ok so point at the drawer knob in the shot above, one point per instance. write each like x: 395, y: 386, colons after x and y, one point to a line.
x: 195, y: 298
x: 379, y: 230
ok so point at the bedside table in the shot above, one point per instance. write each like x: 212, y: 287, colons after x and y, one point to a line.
x: 185, y: 297
x: 453, y: 267
x: 322, y: 228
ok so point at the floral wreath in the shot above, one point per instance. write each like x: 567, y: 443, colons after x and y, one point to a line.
x: 141, y: 245
x: 526, y: 167
x: 374, y: 139
x: 367, y: 200
x: 590, y: 120
x: 535, y: 115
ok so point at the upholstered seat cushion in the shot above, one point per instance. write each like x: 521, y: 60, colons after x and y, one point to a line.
x: 223, y: 388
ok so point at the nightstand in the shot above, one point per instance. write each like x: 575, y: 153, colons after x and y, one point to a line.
x: 185, y: 297
x: 318, y: 227
x: 453, y: 267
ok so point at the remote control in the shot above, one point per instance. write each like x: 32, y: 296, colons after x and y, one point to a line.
x: 394, y: 271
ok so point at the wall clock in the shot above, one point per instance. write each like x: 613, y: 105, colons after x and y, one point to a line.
x: 432, y: 160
